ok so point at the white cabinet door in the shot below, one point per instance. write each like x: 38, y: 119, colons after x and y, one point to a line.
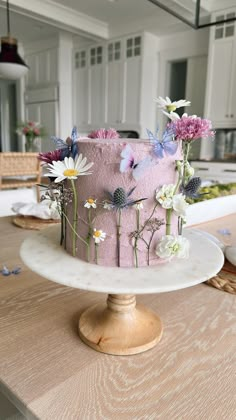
x: 132, y: 81
x: 43, y: 68
x: 97, y: 96
x: 221, y: 85
x: 114, y: 78
x: 81, y: 78
x: 219, y: 111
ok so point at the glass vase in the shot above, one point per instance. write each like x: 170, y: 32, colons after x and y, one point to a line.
x: 32, y: 144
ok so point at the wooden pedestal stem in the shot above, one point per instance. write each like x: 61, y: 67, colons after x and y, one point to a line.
x: 121, y: 327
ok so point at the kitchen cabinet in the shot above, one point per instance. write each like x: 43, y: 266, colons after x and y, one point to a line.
x: 114, y: 84
x: 43, y: 68
x: 42, y: 106
x: 220, y: 172
x: 221, y: 84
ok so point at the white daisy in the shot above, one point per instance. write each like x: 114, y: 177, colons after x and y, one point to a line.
x: 168, y: 107
x: 107, y: 206
x: 138, y: 206
x: 69, y: 168
x: 98, y: 236
x: 90, y: 202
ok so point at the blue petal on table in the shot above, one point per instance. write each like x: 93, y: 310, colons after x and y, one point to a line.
x: 224, y: 232
x: 5, y: 271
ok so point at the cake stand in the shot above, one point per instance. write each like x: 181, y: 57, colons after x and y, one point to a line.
x: 119, y: 326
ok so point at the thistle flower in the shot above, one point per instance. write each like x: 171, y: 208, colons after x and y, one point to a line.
x: 191, y: 189
x: 120, y: 199
x: 102, y: 133
x: 189, y: 128
x: 49, y: 157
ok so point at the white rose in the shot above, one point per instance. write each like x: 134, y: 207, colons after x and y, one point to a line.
x: 179, y: 205
x: 171, y: 246
x: 164, y: 196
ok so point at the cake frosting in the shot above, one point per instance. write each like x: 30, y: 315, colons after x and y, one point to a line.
x: 100, y: 185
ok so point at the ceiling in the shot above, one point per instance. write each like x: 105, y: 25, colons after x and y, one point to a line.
x: 118, y: 17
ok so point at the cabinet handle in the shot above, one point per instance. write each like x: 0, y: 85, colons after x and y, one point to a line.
x: 227, y: 115
x: 232, y: 115
x: 229, y: 170
x: 202, y: 169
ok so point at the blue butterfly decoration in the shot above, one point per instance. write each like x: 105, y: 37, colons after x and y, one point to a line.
x: 69, y: 146
x: 128, y: 163
x: 167, y: 145
x: 6, y: 272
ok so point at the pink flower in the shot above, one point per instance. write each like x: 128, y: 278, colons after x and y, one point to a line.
x: 31, y: 124
x: 25, y: 130
x: 189, y: 128
x: 49, y: 157
x: 102, y: 133
x: 36, y: 131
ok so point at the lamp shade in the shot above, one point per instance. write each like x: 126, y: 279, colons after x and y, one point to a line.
x: 11, y: 64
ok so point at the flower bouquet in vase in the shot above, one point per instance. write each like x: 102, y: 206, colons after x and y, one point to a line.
x: 32, y: 131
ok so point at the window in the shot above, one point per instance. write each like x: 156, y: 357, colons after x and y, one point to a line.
x: 133, y: 47
x: 96, y: 55
x: 114, y: 51
x: 80, y: 59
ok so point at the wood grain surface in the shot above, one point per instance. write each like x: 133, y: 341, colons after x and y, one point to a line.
x: 50, y: 374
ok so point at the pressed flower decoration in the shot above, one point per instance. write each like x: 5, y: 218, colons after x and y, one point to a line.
x: 168, y: 107
x: 102, y: 133
x: 119, y: 201
x: 98, y: 236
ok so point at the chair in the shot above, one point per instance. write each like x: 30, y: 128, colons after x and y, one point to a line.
x: 19, y: 170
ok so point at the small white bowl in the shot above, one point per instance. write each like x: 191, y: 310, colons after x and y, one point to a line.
x: 230, y: 253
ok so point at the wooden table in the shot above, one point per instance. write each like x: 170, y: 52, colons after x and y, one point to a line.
x: 49, y: 373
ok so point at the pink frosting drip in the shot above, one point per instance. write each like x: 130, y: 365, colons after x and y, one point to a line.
x: 106, y: 176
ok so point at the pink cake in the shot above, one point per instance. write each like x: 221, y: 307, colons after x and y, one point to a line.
x: 122, y: 246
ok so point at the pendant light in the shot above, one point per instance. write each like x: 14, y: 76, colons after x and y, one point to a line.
x: 11, y: 64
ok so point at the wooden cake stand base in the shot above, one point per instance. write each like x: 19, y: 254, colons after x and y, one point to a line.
x: 121, y: 327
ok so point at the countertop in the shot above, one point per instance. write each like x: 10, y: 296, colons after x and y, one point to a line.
x: 50, y: 374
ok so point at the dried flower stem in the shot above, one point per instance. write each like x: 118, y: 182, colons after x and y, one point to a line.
x: 75, y: 219
x: 145, y: 224
x: 96, y: 253
x: 89, y: 234
x: 118, y: 234
x: 74, y: 231
x: 149, y: 246
x: 186, y: 149
x: 136, y: 238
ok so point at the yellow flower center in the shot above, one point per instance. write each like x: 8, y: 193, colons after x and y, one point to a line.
x: 170, y: 108
x: 91, y: 201
x: 97, y: 233
x: 71, y: 172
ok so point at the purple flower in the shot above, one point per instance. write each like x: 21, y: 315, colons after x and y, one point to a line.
x: 189, y: 128
x: 102, y: 133
x: 49, y: 157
